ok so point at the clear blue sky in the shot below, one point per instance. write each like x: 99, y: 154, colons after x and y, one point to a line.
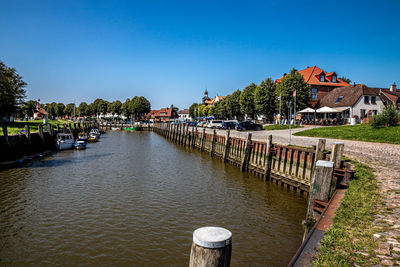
x: 169, y: 51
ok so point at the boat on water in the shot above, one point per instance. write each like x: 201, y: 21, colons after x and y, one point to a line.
x: 115, y: 128
x: 64, y: 141
x: 80, y: 145
x: 135, y: 128
x: 83, y: 137
x: 94, y: 132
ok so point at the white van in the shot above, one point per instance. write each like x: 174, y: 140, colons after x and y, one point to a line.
x: 215, y: 124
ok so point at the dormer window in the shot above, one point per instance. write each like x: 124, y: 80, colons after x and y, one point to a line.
x: 333, y: 79
x: 339, y: 99
x: 322, y: 78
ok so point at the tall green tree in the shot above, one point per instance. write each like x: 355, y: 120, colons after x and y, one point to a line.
x: 116, y: 107
x: 69, y: 109
x: 82, y: 109
x: 290, y: 83
x: 220, y: 110
x: 247, y: 100
x: 125, y: 108
x: 265, y: 99
x: 193, y: 110
x: 233, y: 104
x: 12, y: 92
x: 60, y: 109
x: 29, y: 108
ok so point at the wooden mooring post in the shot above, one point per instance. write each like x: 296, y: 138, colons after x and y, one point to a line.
x: 5, y: 133
x: 246, y: 153
x: 268, y: 157
x: 226, y: 150
x: 28, y: 132
x: 203, y: 139
x: 336, y: 158
x: 211, y: 247
x: 40, y: 131
x: 320, y: 185
x: 213, y: 140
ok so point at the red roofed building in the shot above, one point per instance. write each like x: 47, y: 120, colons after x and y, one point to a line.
x: 164, y: 114
x: 321, y: 82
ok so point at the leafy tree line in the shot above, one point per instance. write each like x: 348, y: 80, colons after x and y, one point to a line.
x: 134, y: 108
x: 12, y: 96
x: 259, y: 99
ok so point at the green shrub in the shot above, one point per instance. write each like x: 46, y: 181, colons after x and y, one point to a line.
x: 388, y: 117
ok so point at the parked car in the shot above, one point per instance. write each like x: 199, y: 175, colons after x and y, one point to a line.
x: 202, y: 124
x: 229, y: 124
x: 215, y: 124
x: 248, y: 125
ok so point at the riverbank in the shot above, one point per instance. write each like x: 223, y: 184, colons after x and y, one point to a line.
x: 350, y: 242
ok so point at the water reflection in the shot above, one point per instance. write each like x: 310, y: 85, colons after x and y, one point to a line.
x: 134, y: 199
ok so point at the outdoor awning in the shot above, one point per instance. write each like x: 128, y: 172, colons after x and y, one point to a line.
x: 341, y: 109
x: 327, y: 110
x: 307, y: 110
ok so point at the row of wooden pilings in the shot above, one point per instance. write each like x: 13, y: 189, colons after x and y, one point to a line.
x: 324, y: 177
x: 29, y: 143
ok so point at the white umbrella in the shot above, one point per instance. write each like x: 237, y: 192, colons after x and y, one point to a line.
x: 307, y: 110
x: 327, y: 110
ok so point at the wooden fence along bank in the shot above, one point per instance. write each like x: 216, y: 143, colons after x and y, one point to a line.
x: 16, y: 146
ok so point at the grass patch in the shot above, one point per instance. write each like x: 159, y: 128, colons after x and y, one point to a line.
x: 361, y: 132
x: 279, y: 127
x: 352, y: 231
x: 16, y: 126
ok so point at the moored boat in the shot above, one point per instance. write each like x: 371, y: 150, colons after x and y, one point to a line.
x: 64, y: 141
x: 83, y: 137
x: 94, y: 132
x: 115, y: 128
x: 80, y: 145
x: 135, y: 128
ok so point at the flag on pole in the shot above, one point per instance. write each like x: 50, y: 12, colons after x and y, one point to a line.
x: 294, y: 93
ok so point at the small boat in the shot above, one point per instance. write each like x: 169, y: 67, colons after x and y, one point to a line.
x: 80, y: 145
x: 64, y: 141
x: 93, y: 138
x: 115, y: 128
x: 83, y: 137
x: 136, y: 128
x: 94, y: 132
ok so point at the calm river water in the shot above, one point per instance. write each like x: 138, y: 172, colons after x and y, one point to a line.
x: 134, y: 199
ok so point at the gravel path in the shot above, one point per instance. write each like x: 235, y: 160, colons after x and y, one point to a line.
x: 385, y: 159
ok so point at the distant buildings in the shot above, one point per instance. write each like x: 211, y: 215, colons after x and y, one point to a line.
x: 184, y: 115
x: 164, y: 114
x: 359, y: 101
x: 208, y: 101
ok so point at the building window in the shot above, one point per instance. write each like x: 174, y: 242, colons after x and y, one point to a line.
x: 333, y: 79
x: 373, y: 100
x: 362, y: 113
x: 374, y: 112
x: 339, y: 99
x: 366, y: 99
x: 314, y: 93
x: 322, y: 78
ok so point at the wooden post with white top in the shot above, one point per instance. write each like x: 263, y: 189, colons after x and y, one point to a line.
x: 211, y: 247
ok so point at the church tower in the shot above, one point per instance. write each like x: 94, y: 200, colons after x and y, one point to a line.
x: 205, y: 97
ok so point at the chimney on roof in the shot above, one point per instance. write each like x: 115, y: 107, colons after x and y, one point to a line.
x: 393, y: 87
